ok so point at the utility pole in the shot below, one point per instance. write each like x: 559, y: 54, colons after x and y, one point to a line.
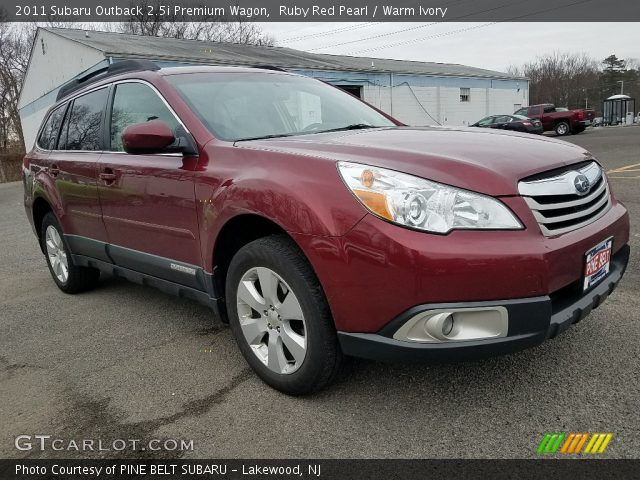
x: 586, y: 98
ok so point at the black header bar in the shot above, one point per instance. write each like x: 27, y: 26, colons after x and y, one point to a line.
x: 114, y: 469
x: 324, y: 10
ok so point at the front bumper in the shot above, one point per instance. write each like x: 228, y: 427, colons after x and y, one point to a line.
x: 531, y: 321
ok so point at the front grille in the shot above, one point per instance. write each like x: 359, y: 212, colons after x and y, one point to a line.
x: 557, y: 205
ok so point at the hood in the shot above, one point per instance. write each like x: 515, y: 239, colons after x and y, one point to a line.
x: 484, y: 161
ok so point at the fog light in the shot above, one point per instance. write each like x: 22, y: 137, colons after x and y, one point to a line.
x: 455, y: 325
x: 447, y: 325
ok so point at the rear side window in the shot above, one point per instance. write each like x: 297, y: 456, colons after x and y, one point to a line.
x: 136, y: 103
x: 49, y: 134
x: 82, y: 124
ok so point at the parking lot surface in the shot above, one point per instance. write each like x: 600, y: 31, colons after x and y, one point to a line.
x: 128, y: 362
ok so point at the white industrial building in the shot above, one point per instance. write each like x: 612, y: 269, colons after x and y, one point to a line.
x: 416, y: 93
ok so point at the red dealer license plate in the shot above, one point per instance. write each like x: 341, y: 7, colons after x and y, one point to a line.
x: 597, y: 262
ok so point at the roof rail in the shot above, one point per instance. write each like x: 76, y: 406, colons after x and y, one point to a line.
x: 105, y: 72
x: 269, y: 67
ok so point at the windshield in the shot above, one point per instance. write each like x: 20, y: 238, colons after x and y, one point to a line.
x: 245, y: 106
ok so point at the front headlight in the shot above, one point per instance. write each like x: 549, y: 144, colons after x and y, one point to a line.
x: 422, y: 204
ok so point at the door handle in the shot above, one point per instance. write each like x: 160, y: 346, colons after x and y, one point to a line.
x: 108, y: 176
x: 54, y: 170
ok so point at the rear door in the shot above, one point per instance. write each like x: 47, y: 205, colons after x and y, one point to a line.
x: 148, y: 201
x: 501, y: 121
x: 515, y: 124
x: 73, y: 162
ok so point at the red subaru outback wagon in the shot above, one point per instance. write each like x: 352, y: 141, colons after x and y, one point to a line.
x: 316, y: 225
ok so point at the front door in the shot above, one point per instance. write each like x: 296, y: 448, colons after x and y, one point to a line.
x: 148, y: 201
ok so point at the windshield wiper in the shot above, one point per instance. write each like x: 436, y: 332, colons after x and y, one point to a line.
x: 262, y: 137
x: 353, y: 126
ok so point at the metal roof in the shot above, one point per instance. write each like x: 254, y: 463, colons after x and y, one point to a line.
x: 194, y: 51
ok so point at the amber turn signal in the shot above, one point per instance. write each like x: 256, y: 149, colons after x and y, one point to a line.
x: 374, y: 201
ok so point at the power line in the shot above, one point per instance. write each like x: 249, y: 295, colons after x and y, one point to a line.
x: 444, y: 34
x: 418, y: 101
x: 373, y: 37
x: 510, y: 3
x: 415, y: 40
x: 327, y: 33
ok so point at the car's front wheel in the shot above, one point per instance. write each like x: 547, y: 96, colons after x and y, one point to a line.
x: 280, y: 318
x: 70, y: 278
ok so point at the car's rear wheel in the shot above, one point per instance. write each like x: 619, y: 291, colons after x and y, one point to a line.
x: 562, y: 128
x: 69, y: 277
x: 280, y: 317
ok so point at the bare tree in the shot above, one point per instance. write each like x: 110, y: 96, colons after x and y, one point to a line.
x: 15, y: 46
x: 576, y: 80
x: 16, y: 40
x: 202, y: 27
x: 564, y: 79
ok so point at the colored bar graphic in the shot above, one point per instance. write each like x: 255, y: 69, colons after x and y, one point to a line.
x: 598, y: 443
x: 580, y: 443
x: 573, y: 443
x: 550, y: 443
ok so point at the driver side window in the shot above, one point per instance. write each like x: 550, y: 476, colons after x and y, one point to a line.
x: 136, y: 103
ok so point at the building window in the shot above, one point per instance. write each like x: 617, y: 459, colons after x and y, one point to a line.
x: 465, y: 93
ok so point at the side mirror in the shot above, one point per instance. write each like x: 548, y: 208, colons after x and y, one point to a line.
x: 154, y: 136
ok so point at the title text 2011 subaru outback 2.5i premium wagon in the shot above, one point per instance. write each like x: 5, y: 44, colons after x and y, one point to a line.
x: 316, y: 225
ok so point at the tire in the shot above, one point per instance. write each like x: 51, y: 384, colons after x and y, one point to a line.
x: 293, y: 355
x: 562, y: 129
x: 77, y: 279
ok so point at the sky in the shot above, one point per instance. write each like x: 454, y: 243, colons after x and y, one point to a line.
x: 494, y: 46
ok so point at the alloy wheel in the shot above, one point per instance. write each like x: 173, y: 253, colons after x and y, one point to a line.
x: 56, y: 254
x: 272, y: 320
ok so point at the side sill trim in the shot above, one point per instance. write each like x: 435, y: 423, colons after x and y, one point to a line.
x: 191, y: 276
x: 166, y: 286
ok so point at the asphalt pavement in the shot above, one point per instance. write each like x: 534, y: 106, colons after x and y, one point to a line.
x: 129, y: 362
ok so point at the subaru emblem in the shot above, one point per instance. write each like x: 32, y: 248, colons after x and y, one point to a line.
x: 581, y: 182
